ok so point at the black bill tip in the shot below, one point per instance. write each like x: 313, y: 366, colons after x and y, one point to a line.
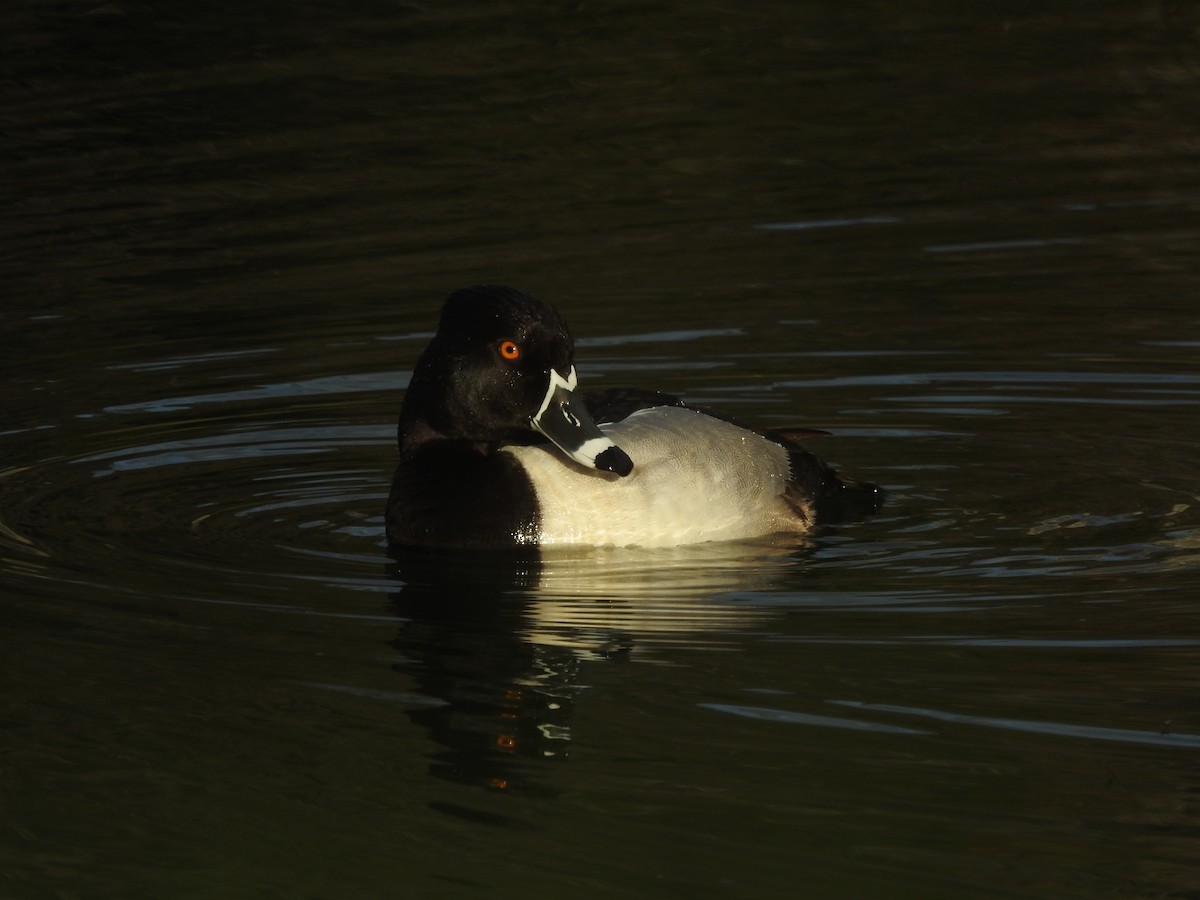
x: 614, y: 459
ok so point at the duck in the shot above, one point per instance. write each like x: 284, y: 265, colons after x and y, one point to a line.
x: 499, y: 448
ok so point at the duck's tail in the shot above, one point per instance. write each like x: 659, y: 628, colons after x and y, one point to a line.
x: 830, y: 498
x: 849, y: 500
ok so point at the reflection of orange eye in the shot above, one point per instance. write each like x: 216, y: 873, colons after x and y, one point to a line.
x: 509, y: 350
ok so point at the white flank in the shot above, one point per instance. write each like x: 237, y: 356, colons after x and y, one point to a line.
x: 695, y: 478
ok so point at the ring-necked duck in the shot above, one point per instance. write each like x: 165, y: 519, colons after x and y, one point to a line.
x: 498, y: 449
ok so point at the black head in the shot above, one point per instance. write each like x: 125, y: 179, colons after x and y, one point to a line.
x: 484, y: 315
x: 500, y: 368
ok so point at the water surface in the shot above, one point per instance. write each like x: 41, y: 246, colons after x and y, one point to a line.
x: 962, y: 241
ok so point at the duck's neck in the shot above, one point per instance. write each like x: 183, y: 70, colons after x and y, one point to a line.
x: 438, y: 406
x: 418, y: 423
x: 429, y: 414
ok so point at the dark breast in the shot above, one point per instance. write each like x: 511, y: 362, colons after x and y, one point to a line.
x: 450, y: 494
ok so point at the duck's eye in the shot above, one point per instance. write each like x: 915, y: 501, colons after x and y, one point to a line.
x: 510, y: 350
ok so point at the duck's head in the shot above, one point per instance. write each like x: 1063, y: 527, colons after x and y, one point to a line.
x: 500, y: 367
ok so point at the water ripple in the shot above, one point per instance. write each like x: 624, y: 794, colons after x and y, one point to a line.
x: 798, y: 718
x: 1055, y: 729
x: 312, y: 387
x: 236, y: 446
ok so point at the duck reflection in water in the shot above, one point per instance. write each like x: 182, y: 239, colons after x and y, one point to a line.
x: 505, y: 700
x: 507, y: 642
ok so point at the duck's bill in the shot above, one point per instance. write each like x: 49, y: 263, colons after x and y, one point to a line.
x: 564, y: 419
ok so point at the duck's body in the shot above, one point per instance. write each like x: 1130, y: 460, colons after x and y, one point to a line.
x: 475, y: 471
x: 695, y: 479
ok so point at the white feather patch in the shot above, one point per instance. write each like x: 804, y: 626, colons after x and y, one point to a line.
x: 695, y: 478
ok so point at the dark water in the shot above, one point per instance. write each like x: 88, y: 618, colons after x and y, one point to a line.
x: 962, y: 239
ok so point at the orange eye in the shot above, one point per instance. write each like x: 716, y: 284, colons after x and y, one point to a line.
x: 509, y: 350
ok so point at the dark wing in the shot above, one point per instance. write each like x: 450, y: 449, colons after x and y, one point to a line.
x: 798, y: 435
x: 615, y: 404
